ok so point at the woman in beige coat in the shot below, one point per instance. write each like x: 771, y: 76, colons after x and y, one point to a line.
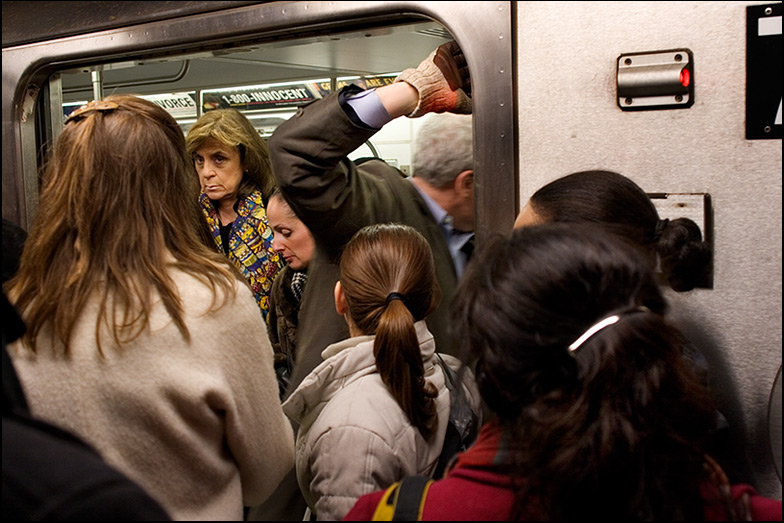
x: 376, y: 409
x: 141, y: 339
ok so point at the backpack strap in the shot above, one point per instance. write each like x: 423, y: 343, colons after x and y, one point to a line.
x: 403, y: 501
x: 462, y: 427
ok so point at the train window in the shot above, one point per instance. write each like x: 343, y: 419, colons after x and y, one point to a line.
x: 177, y: 53
x: 267, y: 82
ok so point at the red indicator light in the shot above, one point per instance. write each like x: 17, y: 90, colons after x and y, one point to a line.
x: 685, y: 77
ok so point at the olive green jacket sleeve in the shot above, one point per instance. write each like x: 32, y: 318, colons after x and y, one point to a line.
x: 335, y: 198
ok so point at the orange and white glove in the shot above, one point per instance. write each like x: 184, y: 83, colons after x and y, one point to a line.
x: 442, y: 81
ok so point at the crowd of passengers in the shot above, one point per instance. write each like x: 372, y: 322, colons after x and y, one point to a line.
x: 213, y: 327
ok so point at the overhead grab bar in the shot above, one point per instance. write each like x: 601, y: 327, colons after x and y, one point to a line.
x: 186, y: 64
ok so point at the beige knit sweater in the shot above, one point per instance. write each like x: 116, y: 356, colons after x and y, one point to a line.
x: 198, y: 425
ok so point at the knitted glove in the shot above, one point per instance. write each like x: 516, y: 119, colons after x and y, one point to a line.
x: 442, y: 80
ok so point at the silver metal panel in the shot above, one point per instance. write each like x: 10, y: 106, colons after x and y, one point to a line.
x: 23, y: 23
x: 570, y: 121
x: 483, y: 29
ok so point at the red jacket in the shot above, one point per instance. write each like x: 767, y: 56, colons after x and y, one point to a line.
x: 478, y: 488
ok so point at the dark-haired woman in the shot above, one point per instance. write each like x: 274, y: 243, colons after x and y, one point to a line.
x: 597, y: 415
x: 675, y: 247
x: 376, y: 409
x: 619, y: 205
x: 295, y: 245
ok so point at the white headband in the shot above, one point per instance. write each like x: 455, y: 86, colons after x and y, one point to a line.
x: 596, y: 327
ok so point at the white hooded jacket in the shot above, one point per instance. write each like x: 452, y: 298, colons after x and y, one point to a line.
x: 354, y: 438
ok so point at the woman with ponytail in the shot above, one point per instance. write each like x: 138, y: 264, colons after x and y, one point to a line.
x: 596, y: 413
x: 376, y: 409
x: 616, y: 203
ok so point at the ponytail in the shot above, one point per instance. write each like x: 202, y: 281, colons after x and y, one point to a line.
x: 388, y: 276
x: 683, y: 256
x: 399, y: 363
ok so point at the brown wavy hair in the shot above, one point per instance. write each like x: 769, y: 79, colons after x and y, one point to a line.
x: 379, y: 260
x: 119, y: 209
x: 233, y: 129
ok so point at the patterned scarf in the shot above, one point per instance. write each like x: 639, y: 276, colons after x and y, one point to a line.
x: 250, y: 244
x: 298, y: 281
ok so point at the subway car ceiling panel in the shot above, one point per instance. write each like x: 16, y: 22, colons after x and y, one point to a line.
x: 362, y: 53
x: 267, y: 81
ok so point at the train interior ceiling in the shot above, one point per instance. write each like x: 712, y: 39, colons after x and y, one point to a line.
x: 266, y: 82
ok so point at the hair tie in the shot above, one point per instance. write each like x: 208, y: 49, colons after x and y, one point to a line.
x: 395, y: 296
x: 659, y: 229
x: 601, y: 324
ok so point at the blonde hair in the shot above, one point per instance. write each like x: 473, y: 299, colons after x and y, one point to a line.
x: 233, y: 129
x: 119, y: 209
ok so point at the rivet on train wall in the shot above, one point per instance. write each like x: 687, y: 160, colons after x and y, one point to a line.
x: 656, y: 80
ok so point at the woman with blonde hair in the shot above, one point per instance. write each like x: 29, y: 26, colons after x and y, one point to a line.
x: 235, y: 174
x: 377, y: 408
x: 140, y: 338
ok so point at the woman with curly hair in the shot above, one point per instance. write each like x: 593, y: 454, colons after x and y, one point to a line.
x: 235, y: 173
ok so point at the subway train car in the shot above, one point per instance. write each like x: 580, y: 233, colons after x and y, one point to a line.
x: 682, y: 97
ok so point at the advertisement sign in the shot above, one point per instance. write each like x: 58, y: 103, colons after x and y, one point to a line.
x: 257, y: 97
x: 286, y: 95
x: 179, y: 105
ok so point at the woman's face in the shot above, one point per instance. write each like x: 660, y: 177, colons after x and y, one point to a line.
x: 292, y: 238
x: 220, y: 170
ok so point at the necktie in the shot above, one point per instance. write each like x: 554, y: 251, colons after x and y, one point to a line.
x: 468, y: 248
